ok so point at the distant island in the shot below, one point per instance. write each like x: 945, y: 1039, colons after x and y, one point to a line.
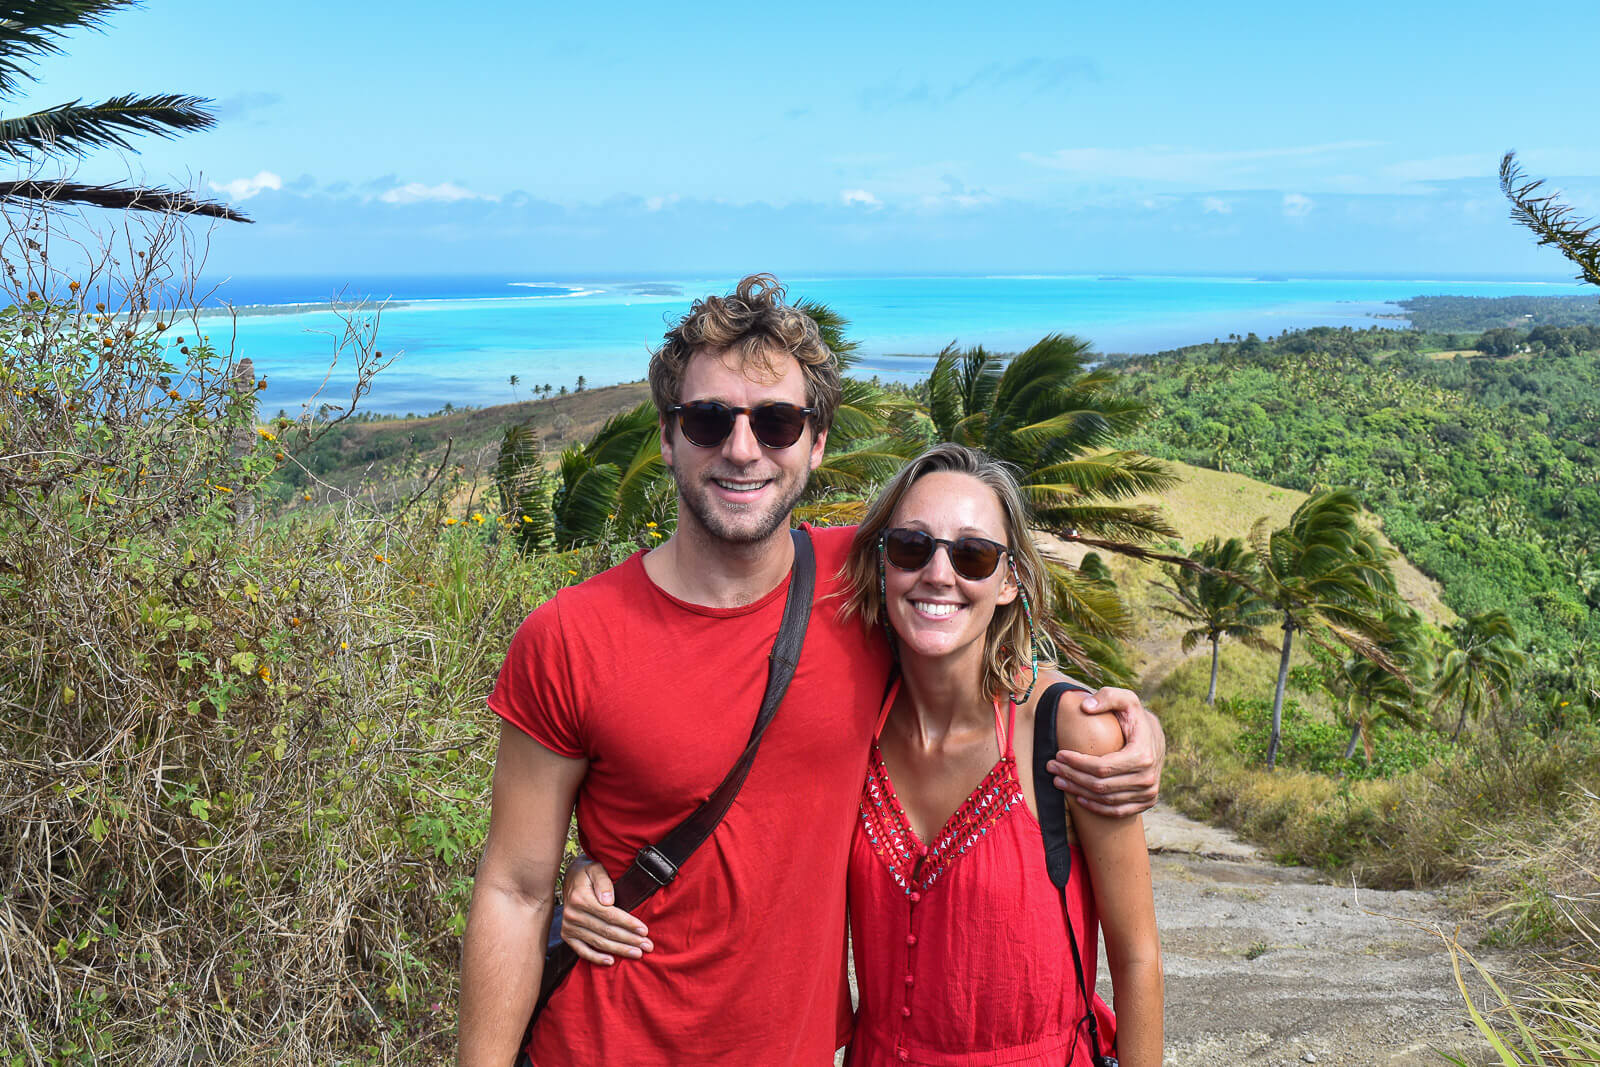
x: 1461, y: 313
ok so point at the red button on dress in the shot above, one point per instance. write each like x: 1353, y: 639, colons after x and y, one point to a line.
x: 915, y: 897
x: 911, y: 939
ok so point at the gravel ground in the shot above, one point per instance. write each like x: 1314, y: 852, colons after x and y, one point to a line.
x: 1269, y: 965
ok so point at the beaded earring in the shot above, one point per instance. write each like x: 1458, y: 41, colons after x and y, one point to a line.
x: 883, y: 595
x: 1033, y: 635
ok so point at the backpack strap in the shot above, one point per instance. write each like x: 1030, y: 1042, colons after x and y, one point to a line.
x: 1052, y: 805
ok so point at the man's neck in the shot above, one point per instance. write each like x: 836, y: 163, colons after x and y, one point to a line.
x: 701, y: 569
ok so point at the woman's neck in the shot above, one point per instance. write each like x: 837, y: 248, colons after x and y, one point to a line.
x: 941, y: 696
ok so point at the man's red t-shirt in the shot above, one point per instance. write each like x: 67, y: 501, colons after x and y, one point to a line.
x: 660, y: 696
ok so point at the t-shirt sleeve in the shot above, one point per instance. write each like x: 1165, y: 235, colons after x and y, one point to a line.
x: 534, y: 692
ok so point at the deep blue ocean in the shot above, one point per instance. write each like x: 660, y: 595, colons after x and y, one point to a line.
x: 461, y: 338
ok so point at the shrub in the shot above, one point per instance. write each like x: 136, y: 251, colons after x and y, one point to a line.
x: 245, y: 763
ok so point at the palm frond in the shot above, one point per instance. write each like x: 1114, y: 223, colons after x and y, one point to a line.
x: 1090, y: 523
x: 76, y: 128
x: 862, y: 467
x: 31, y: 30
x: 831, y: 325
x: 1109, y: 475
x: 116, y: 198
x: 1552, y: 222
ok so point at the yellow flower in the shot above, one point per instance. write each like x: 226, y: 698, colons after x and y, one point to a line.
x: 451, y: 522
x: 308, y: 496
x: 380, y: 558
x: 527, y: 518
x: 265, y: 672
x: 477, y: 517
x: 267, y: 434
x: 222, y: 489
x: 572, y: 572
x: 344, y: 645
x: 655, y: 533
x: 650, y: 525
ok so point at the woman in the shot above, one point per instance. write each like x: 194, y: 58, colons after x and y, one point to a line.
x: 962, y: 951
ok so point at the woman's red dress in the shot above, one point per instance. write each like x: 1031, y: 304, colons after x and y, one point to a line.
x: 960, y: 947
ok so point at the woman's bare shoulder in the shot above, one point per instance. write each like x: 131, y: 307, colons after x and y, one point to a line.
x: 1076, y: 729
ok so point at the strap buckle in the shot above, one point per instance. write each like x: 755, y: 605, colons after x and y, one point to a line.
x: 660, y: 869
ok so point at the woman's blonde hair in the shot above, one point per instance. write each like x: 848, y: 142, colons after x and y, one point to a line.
x: 1013, y: 637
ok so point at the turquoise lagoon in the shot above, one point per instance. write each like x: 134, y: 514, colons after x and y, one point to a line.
x: 459, y: 341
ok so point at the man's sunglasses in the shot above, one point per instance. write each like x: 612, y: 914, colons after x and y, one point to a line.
x: 973, y: 558
x: 708, y: 423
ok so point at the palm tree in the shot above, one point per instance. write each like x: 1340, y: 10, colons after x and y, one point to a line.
x: 1323, y: 573
x: 520, y: 478
x: 617, y: 480
x: 1054, y: 419
x: 1481, y: 667
x: 33, y: 29
x: 1217, y: 605
x: 1376, y: 693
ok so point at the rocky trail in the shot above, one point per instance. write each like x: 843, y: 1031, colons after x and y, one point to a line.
x: 1268, y: 964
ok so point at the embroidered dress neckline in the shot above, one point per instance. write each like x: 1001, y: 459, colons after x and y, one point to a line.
x: 916, y: 866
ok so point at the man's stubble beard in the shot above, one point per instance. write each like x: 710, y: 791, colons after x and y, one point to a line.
x: 705, y: 512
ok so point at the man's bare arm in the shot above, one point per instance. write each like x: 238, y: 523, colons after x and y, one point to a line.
x: 1124, y: 782
x: 513, y: 896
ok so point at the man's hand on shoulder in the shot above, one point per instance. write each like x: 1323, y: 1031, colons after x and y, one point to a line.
x: 1125, y: 782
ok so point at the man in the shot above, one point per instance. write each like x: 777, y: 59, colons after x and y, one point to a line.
x: 633, y: 693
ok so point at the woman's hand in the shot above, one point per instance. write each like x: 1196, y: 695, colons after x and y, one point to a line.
x: 594, y: 929
x: 1124, y: 782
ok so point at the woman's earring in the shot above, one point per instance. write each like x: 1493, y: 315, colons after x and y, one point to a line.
x: 1033, y: 637
x: 883, y: 594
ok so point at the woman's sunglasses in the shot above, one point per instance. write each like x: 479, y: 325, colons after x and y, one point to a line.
x: 708, y: 423
x: 973, y: 558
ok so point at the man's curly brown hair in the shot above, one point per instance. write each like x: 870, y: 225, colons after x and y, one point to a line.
x: 754, y: 322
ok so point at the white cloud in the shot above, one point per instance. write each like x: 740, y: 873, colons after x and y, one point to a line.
x: 656, y: 203
x: 1296, y: 206
x: 416, y: 192
x: 860, y: 197
x: 245, y: 188
x: 1215, y: 205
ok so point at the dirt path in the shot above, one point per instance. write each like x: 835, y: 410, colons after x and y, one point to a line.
x: 1268, y: 965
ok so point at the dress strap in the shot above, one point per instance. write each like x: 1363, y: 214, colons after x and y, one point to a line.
x: 1005, y: 732
x: 888, y: 703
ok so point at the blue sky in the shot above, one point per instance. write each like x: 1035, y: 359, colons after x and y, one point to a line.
x: 554, y: 141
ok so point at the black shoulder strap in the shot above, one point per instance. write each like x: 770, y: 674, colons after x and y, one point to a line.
x: 657, y: 865
x: 1052, y: 805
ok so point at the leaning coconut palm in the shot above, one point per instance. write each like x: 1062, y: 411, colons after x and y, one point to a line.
x: 1216, y: 605
x: 1375, y: 694
x: 1055, y: 419
x: 1323, y: 573
x: 33, y: 29
x: 1481, y: 667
